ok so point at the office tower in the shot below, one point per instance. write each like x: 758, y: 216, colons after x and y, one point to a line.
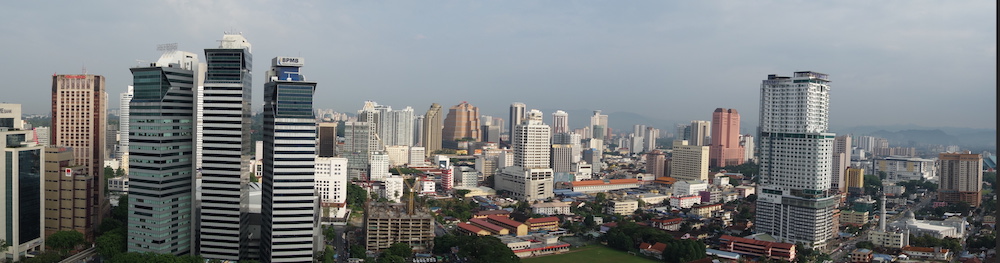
x: 530, y: 178
x: 747, y: 143
x: 725, y: 148
x: 326, y: 142
x: 21, y: 171
x: 387, y: 223
x: 840, y: 160
x: 289, y: 205
x: 488, y: 163
x: 562, y: 157
x: 683, y: 132
x: 225, y: 141
x: 378, y: 168
x: 700, y: 132
x: 461, y: 123
x: 161, y: 154
x: 331, y: 185
x: 961, y: 178
x: 854, y: 180
x: 560, y: 122
x: 356, y: 148
x: 656, y: 163
x: 123, y: 125
x: 517, y: 111
x: 417, y: 156
x: 79, y: 120
x: 399, y: 155
x: 794, y: 203
x: 599, y: 124
x: 418, y: 130
x: 432, y: 129
x: 64, y: 183
x: 372, y: 113
x: 689, y: 162
x: 491, y: 133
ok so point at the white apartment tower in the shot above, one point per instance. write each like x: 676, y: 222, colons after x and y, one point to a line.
x: 289, y: 225
x: 795, y: 204
x: 123, y: 117
x: 560, y: 122
x: 516, y: 115
x: 530, y: 178
x: 700, y: 133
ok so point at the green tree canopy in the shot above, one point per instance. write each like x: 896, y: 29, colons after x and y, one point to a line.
x: 65, y: 240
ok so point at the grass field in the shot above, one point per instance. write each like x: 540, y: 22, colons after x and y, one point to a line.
x: 593, y: 253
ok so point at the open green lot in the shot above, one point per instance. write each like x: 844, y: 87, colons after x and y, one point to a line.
x: 593, y: 253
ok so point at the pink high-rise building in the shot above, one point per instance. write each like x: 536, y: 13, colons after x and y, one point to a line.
x: 725, y: 149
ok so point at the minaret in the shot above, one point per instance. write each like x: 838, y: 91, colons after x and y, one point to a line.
x: 881, y: 218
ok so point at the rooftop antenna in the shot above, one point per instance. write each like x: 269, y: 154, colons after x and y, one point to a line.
x: 84, y: 69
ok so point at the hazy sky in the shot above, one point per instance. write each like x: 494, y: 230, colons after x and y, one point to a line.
x: 929, y: 63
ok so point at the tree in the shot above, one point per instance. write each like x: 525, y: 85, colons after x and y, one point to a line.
x: 865, y: 244
x: 356, y: 196
x: 109, y: 172
x: 110, y: 245
x: 400, y: 249
x: 483, y: 249
x: 462, y: 192
x: 65, y: 240
x: 390, y: 259
x: 120, y: 212
x: 4, y: 246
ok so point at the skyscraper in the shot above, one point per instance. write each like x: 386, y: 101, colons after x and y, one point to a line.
x: 700, y: 132
x: 79, y: 120
x: 432, y: 129
x: 161, y: 153
x: 326, y: 142
x: 841, y: 159
x: 725, y: 149
x: 356, y: 148
x: 462, y: 122
x: 530, y: 178
x: 289, y: 228
x: 516, y: 116
x: 961, y: 178
x: 64, y: 182
x: 397, y: 127
x: 123, y: 124
x: 225, y: 142
x: 689, y: 162
x: 599, y: 124
x: 795, y: 204
x: 560, y: 122
x: 21, y: 168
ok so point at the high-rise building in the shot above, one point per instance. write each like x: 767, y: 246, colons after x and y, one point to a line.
x: 225, y: 149
x: 656, y: 164
x: 854, y: 180
x: 725, y: 149
x: 841, y: 160
x: 701, y: 132
x: 562, y: 158
x: 418, y: 130
x: 795, y: 204
x: 689, y: 162
x: 289, y: 228
x: 560, y: 122
x: 599, y: 124
x: 649, y: 141
x: 531, y: 177
x: 65, y: 182
x: 356, y: 148
x: 517, y: 111
x: 331, y: 185
x: 683, y: 132
x: 432, y: 130
x: 21, y: 175
x: 161, y: 155
x: 961, y: 178
x: 747, y: 143
x: 123, y: 125
x: 461, y: 123
x: 79, y: 120
x: 326, y: 140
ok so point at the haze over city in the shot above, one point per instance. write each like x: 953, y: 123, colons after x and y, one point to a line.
x: 934, y: 61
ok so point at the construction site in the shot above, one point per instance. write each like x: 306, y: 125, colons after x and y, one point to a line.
x: 389, y: 223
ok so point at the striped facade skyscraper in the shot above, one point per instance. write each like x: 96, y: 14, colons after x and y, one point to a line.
x: 289, y: 205
x: 225, y: 149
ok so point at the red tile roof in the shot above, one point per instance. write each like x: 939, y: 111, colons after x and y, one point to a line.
x: 483, y: 223
x: 504, y: 220
x: 542, y: 220
x: 492, y: 212
x: 659, y: 247
x: 469, y: 227
x: 757, y: 242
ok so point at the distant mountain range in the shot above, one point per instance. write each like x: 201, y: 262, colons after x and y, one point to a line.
x: 913, y: 136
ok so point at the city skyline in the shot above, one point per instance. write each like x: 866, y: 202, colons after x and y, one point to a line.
x: 566, y: 55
